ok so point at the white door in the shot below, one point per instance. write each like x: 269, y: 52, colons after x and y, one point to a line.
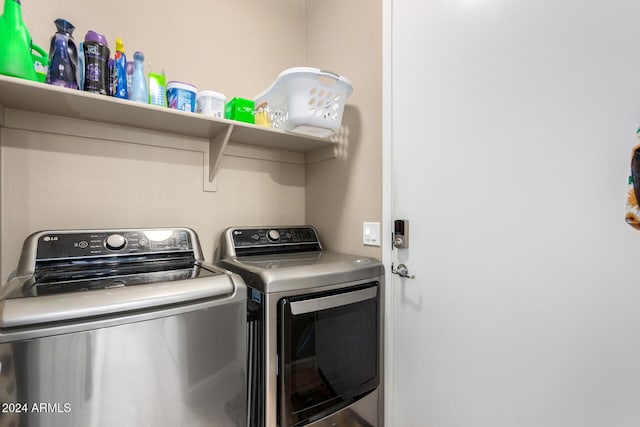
x: 510, y: 127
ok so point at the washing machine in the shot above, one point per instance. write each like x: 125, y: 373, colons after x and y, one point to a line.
x: 315, y: 328
x: 124, y: 328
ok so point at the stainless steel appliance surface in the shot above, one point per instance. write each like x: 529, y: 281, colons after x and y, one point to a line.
x: 315, y: 334
x: 121, y: 328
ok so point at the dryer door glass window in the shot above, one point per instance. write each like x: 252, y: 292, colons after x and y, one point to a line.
x: 329, y: 352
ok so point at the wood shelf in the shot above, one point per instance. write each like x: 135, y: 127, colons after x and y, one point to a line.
x: 42, y: 98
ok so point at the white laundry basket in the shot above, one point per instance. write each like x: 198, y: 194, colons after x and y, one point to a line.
x: 305, y: 100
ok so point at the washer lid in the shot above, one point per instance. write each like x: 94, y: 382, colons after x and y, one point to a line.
x: 65, y: 306
x: 306, y: 270
x: 77, y: 274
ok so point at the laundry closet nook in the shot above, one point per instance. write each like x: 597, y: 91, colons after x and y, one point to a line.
x: 67, y: 172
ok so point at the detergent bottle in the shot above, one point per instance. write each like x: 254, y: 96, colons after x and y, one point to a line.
x: 63, y: 56
x: 96, y: 63
x: 16, y: 58
x: 139, y: 91
x: 130, y: 68
x: 120, y: 67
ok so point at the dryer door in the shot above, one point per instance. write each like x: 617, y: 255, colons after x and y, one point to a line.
x: 328, y: 352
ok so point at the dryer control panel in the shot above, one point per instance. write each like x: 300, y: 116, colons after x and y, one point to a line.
x: 263, y: 240
x: 273, y: 236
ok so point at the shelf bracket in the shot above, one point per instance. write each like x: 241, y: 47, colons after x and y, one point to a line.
x: 217, y: 145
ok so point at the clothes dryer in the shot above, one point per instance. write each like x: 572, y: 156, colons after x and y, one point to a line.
x: 315, y: 328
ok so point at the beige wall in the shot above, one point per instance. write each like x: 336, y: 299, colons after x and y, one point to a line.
x: 51, y: 181
x: 234, y: 47
x: 346, y: 37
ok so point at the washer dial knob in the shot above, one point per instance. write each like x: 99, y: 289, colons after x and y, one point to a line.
x: 115, y: 242
x: 273, y: 235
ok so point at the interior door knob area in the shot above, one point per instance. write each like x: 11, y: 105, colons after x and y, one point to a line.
x: 402, y: 271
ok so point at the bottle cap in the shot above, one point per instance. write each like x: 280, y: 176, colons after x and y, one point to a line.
x: 64, y: 26
x: 119, y: 45
x: 92, y: 36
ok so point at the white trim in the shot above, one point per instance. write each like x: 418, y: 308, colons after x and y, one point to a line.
x: 387, y: 211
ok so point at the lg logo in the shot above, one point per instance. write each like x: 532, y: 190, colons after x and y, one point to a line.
x: 50, y: 238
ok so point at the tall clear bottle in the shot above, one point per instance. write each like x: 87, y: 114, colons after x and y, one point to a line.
x: 139, y: 90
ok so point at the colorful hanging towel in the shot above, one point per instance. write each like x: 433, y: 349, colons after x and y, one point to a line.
x: 633, y: 210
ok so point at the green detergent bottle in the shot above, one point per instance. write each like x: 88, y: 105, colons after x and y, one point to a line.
x: 16, y: 58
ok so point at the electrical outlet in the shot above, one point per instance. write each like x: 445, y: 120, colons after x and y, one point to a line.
x: 371, y: 233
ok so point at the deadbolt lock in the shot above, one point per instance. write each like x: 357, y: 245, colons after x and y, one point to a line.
x: 401, y: 234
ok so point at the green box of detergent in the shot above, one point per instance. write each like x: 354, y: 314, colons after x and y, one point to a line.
x: 240, y: 109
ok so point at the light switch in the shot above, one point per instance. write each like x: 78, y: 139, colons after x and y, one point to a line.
x: 371, y: 233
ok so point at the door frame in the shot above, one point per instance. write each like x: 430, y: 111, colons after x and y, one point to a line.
x: 387, y: 211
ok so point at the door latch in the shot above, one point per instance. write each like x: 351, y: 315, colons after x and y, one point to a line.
x: 402, y: 271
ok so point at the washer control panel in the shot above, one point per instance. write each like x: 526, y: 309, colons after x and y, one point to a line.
x: 79, y: 244
x: 276, y: 236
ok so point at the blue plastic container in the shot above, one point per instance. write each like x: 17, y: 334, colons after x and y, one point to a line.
x: 181, y: 96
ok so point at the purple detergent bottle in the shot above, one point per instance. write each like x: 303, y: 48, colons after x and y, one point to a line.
x: 130, y: 68
x: 96, y: 63
x: 112, y: 77
x: 63, y: 56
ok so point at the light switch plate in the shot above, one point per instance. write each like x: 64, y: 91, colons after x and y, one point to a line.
x: 371, y: 233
